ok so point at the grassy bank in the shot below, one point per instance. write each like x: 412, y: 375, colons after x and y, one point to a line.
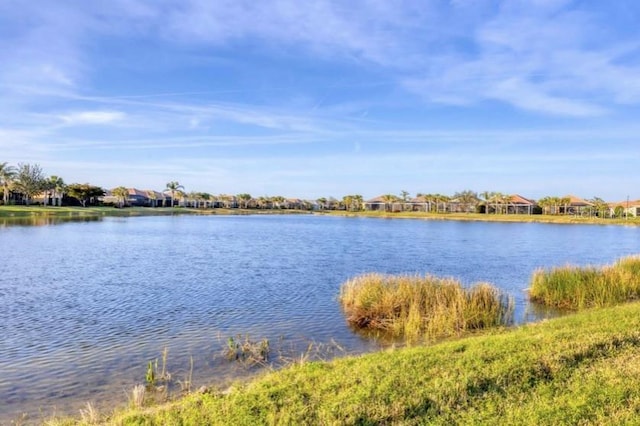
x: 25, y: 212
x: 573, y: 287
x: 63, y: 212
x: 580, y: 369
x: 417, y: 307
x: 480, y: 217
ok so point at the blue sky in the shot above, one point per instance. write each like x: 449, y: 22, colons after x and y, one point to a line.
x: 326, y: 98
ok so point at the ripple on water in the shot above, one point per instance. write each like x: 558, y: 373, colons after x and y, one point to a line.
x: 86, y: 305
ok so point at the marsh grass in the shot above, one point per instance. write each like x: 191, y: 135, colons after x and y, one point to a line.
x: 573, y: 287
x: 417, y: 307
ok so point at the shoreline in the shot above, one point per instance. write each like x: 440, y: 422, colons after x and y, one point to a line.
x: 529, y: 372
x: 8, y: 213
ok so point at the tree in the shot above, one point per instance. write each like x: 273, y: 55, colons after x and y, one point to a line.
x: 121, y: 193
x: 600, y: 207
x: 244, y: 200
x: 7, y: 176
x: 322, y: 203
x: 84, y: 192
x: 389, y: 199
x: 506, y: 201
x: 545, y: 203
x: 174, y: 187
x: 486, y: 197
x: 565, y: 201
x: 404, y: 196
x: 467, y: 199
x: 153, y: 198
x: 30, y: 181
x: 57, y: 186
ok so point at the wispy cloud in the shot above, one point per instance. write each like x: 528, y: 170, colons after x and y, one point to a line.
x: 92, y: 117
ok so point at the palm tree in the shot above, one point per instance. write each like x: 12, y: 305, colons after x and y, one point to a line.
x: 322, y: 203
x: 506, y: 201
x: 486, y: 197
x: 545, y: 203
x: 59, y: 188
x: 244, y: 199
x: 389, y: 199
x: 7, y: 176
x: 404, y: 196
x: 153, y: 198
x: 121, y: 193
x: 347, y: 201
x: 600, y: 207
x: 467, y: 198
x: 565, y: 201
x: 496, y: 199
x: 174, y: 187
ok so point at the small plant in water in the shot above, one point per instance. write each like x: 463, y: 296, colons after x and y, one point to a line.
x: 158, y: 374
x: 247, y: 351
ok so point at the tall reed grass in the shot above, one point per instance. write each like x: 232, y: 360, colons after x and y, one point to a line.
x: 417, y: 307
x: 573, y: 287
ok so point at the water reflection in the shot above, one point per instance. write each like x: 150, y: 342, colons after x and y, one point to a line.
x: 45, y: 220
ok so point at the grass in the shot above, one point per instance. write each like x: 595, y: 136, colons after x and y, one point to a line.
x: 19, y: 213
x: 481, y: 217
x: 573, y: 287
x: 578, y: 369
x: 415, y: 307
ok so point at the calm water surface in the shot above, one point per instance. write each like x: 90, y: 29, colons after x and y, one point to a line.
x: 85, y: 305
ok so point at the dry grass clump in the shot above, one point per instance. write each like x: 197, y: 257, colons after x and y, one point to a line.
x: 573, y: 287
x: 416, y: 306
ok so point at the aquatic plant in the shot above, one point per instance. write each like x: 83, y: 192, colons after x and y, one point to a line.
x: 574, y: 287
x: 248, y: 351
x: 416, y: 307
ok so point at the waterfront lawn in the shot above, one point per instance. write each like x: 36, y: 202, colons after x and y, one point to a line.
x: 481, y: 217
x: 579, y: 369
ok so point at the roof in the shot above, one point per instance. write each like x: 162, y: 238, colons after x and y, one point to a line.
x: 519, y: 199
x: 625, y: 203
x: 578, y: 202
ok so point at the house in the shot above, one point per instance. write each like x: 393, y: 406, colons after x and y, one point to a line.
x: 625, y: 208
x: 382, y: 203
x: 575, y: 205
x: 138, y: 198
x: 508, y: 204
x: 520, y: 205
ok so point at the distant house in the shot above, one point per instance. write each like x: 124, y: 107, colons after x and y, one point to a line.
x: 139, y: 198
x: 625, y: 208
x: 520, y: 205
x: 380, y: 204
x: 576, y: 205
x: 510, y: 204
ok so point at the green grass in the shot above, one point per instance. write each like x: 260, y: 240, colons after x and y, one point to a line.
x: 481, y: 217
x: 19, y: 214
x: 573, y: 287
x: 417, y: 307
x: 579, y: 369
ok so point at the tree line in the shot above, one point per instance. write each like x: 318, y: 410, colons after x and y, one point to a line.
x: 28, y: 181
x: 21, y: 183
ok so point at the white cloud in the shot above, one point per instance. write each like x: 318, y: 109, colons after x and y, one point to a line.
x: 92, y: 117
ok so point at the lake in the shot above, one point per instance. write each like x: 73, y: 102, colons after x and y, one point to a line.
x: 85, y: 305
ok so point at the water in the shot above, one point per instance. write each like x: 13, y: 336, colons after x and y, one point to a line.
x: 85, y: 305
